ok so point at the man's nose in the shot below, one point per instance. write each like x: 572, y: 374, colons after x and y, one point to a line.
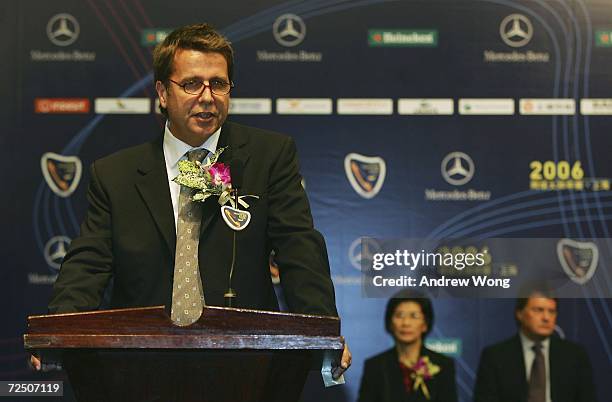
x: 206, y: 96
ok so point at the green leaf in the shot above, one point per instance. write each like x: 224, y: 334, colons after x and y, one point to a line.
x: 214, y: 157
x: 186, y: 166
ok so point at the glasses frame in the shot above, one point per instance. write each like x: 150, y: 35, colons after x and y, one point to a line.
x: 204, y: 86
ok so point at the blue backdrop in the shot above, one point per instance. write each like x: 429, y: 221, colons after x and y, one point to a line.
x: 383, y: 98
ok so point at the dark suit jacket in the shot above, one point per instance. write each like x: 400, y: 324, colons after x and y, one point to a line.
x: 382, y: 380
x: 129, y: 233
x: 501, y: 373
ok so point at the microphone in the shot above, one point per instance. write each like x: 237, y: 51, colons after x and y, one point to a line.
x: 237, y: 174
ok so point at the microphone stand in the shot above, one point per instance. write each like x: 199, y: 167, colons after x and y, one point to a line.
x: 230, y: 294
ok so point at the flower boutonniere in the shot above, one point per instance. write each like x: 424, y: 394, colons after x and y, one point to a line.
x: 422, y: 371
x: 208, y: 178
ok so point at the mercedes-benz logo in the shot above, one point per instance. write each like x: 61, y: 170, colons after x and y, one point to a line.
x: 362, y: 250
x: 289, y: 30
x: 457, y: 168
x: 516, y: 30
x: 63, y: 29
x: 55, y: 250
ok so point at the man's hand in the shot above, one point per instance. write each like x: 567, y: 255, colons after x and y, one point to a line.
x: 35, y: 363
x: 345, y: 363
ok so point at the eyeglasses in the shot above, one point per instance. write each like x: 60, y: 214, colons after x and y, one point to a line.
x: 197, y: 87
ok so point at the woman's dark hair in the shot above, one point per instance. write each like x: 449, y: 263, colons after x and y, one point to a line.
x: 410, y: 296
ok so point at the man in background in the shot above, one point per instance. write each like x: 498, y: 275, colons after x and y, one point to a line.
x: 534, y: 365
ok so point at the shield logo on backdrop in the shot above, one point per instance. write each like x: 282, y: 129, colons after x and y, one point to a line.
x: 62, y: 173
x: 365, y: 173
x: 578, y: 259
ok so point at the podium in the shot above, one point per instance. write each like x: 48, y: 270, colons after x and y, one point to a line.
x: 229, y: 354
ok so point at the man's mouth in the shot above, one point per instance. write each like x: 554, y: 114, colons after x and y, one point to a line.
x: 204, y: 115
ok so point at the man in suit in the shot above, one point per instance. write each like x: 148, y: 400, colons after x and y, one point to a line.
x: 130, y: 231
x: 534, y: 366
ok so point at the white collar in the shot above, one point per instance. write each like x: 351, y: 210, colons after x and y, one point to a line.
x: 175, y: 149
x: 528, y: 343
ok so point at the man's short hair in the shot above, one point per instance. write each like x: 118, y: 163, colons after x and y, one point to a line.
x: 410, y: 296
x: 200, y: 37
x: 528, y: 291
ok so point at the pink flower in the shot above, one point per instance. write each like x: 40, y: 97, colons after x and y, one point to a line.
x: 421, y: 367
x: 220, y: 174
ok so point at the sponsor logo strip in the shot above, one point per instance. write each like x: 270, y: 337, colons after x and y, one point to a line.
x: 425, y: 106
x: 61, y: 105
x: 122, y: 105
x: 250, y: 106
x: 304, y: 106
x: 482, y: 106
x: 370, y: 106
x: 547, y: 106
x: 592, y: 106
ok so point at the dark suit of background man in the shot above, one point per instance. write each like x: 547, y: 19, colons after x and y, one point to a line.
x: 129, y: 233
x: 505, y: 370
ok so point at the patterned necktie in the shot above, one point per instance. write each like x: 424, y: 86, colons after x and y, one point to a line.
x: 537, y: 377
x: 187, y: 292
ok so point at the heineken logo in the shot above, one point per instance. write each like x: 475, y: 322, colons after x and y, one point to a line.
x: 151, y: 37
x: 403, y: 38
x: 603, y: 38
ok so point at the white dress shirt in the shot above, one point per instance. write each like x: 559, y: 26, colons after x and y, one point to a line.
x: 529, y: 357
x: 176, y: 150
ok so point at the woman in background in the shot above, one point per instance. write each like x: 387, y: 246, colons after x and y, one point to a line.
x: 408, y: 371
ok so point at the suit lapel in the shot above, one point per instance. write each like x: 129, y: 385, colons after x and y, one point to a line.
x: 152, y: 183
x: 394, y: 383
x: 235, y: 139
x: 553, y: 364
x: 153, y: 187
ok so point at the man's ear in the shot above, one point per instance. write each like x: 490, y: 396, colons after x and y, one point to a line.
x: 162, y: 93
x: 519, y: 316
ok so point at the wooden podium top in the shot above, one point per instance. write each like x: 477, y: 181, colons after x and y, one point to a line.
x: 229, y: 354
x: 150, y: 327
